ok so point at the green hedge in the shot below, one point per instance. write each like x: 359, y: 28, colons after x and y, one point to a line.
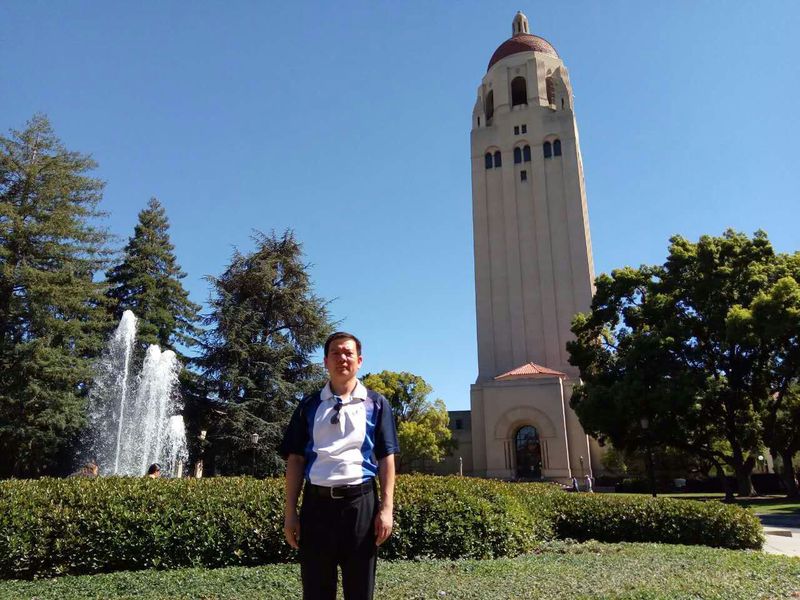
x: 55, y: 526
x: 458, y: 517
x: 664, y: 520
x: 58, y: 526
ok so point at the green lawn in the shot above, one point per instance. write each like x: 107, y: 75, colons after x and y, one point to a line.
x: 763, y: 505
x: 774, y: 505
x: 558, y: 571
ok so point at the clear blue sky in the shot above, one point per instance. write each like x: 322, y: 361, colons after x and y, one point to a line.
x: 349, y: 122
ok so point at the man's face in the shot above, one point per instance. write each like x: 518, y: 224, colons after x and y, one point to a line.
x: 343, y: 361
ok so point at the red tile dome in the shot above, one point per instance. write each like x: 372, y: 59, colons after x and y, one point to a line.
x: 522, y: 42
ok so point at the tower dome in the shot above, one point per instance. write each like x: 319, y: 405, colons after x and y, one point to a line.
x: 521, y: 40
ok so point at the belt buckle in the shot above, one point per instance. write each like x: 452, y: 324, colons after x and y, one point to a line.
x: 334, y: 496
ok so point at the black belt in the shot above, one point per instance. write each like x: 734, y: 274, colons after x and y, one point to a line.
x: 343, y: 491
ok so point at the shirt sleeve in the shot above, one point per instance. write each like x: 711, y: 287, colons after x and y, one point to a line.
x: 386, y: 435
x: 295, y: 437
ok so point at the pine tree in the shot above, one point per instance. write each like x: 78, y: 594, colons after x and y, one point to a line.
x: 148, y: 282
x: 265, y: 323
x: 52, y: 318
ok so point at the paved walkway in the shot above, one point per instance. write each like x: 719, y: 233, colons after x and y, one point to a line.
x: 783, y: 534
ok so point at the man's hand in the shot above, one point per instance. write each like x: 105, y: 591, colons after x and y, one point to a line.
x: 383, y: 525
x: 295, y: 465
x: 291, y: 529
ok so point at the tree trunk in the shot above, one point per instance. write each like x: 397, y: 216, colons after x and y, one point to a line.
x: 724, y: 480
x: 788, y: 476
x: 651, y: 472
x: 742, y: 469
x: 743, y: 481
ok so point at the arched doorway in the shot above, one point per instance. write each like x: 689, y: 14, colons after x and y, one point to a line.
x: 528, y: 453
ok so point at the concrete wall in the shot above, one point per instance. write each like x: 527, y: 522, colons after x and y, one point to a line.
x: 533, y: 263
x: 542, y: 403
x: 461, y: 430
x: 533, y: 268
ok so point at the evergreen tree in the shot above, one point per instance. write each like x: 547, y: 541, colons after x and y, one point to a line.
x: 263, y: 326
x: 52, y: 318
x: 148, y: 282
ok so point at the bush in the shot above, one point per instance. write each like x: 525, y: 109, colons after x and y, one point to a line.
x: 58, y: 526
x: 458, y: 517
x: 663, y: 520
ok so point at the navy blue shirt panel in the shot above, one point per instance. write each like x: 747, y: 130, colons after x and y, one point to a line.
x: 297, y: 437
x: 385, y: 434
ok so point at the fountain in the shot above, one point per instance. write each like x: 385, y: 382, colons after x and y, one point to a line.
x: 133, y: 420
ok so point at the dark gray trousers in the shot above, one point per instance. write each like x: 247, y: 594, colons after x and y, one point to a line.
x: 338, y: 533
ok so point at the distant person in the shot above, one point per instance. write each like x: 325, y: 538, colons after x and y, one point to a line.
x: 154, y: 471
x: 589, y: 484
x: 90, y: 469
x: 575, y: 487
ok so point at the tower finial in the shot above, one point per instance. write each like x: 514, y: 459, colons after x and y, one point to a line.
x: 520, y: 25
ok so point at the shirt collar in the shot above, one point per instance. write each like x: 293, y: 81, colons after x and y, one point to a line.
x: 359, y: 393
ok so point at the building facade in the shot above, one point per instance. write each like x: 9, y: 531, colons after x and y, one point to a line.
x: 533, y: 267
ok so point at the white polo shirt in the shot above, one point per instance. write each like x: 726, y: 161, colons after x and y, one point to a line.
x: 343, y: 452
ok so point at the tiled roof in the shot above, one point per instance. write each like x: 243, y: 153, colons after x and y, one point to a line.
x: 523, y: 42
x: 530, y: 371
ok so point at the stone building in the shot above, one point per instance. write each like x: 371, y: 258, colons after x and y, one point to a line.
x: 533, y: 269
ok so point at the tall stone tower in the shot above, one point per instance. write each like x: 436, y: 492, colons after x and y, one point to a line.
x: 533, y: 263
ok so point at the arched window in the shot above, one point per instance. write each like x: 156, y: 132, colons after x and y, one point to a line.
x: 519, y: 91
x: 557, y: 148
x: 517, y: 155
x: 551, y: 90
x: 547, y: 149
x: 526, y: 154
x: 489, y: 107
x: 528, y: 452
x: 498, y: 159
x: 487, y: 159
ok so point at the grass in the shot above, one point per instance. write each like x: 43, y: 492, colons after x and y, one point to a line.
x: 559, y: 570
x: 773, y: 505
x: 762, y: 505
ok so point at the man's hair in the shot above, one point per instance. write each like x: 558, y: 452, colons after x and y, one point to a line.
x: 342, y: 335
x: 155, y: 467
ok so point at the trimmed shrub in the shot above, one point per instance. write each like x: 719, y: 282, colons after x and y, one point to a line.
x: 458, y: 517
x: 663, y: 520
x: 58, y: 526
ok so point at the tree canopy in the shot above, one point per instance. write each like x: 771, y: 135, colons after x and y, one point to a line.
x: 148, y: 281
x: 52, y: 313
x: 422, y: 425
x: 699, y: 353
x: 256, y: 354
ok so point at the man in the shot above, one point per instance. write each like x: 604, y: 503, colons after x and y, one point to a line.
x: 338, y: 440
